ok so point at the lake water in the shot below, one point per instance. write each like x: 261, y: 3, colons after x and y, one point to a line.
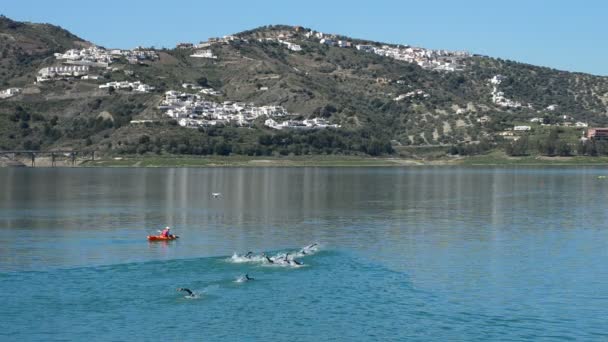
x: 424, y: 253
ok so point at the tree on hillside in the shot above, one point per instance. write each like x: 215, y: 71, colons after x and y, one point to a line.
x: 548, y: 146
x: 326, y: 111
x: 202, y: 81
x: 563, y: 149
x: 376, y: 147
x: 518, y: 147
x: 602, y: 147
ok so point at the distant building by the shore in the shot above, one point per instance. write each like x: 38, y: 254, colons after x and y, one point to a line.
x: 597, y: 133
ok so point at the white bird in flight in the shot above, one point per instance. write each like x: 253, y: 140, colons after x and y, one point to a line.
x: 216, y: 194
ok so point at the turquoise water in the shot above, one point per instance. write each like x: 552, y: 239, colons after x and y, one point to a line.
x: 406, y: 254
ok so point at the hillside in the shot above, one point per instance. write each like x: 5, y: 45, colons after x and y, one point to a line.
x: 24, y: 47
x: 381, y: 98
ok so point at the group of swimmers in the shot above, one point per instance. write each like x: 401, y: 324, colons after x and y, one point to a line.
x: 283, y: 259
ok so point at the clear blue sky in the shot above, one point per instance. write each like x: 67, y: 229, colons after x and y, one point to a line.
x: 567, y: 35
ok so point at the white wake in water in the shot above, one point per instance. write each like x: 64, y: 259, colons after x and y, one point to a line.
x: 243, y: 279
x: 285, y: 259
x: 237, y: 259
x: 198, y: 294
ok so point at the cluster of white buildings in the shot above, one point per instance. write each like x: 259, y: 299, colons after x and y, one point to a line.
x: 334, y: 42
x: 415, y: 93
x: 126, y: 85
x: 521, y: 128
x: 315, y: 123
x: 552, y: 107
x: 191, y: 86
x: 210, y: 42
x: 191, y: 110
x: 204, y: 54
x: 291, y: 46
x: 10, y: 92
x: 62, y: 72
x: 201, y: 89
x: 498, y: 97
x: 223, y: 40
x: 211, y: 91
x: 428, y: 59
x: 76, y: 62
x: 136, y: 55
x: 91, y: 56
x: 567, y: 122
x: 315, y: 34
x: 202, y: 49
x: 327, y: 39
x: 100, y: 57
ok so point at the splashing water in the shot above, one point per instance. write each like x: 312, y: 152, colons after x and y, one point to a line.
x: 243, y: 279
x: 279, y: 259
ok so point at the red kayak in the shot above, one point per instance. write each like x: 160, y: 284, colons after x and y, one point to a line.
x: 162, y: 238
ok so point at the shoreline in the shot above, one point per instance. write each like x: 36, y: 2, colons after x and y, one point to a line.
x: 148, y: 161
x: 340, y: 161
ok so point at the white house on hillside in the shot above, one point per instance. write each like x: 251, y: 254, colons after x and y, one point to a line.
x: 9, y: 92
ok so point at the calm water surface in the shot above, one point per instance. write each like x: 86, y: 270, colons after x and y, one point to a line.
x: 407, y: 254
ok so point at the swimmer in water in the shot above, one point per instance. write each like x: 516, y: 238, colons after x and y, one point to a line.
x: 188, y: 291
x: 243, y: 279
x: 307, y: 248
x: 267, y: 258
x: 249, y: 255
x: 289, y: 260
x: 294, y: 262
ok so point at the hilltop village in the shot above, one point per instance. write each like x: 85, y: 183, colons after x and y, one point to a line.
x: 79, y: 64
x: 441, y: 60
x: 191, y: 110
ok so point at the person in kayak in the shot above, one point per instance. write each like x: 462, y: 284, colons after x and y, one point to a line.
x: 166, y: 232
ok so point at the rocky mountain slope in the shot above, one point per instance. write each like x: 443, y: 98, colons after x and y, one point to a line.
x: 381, y: 101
